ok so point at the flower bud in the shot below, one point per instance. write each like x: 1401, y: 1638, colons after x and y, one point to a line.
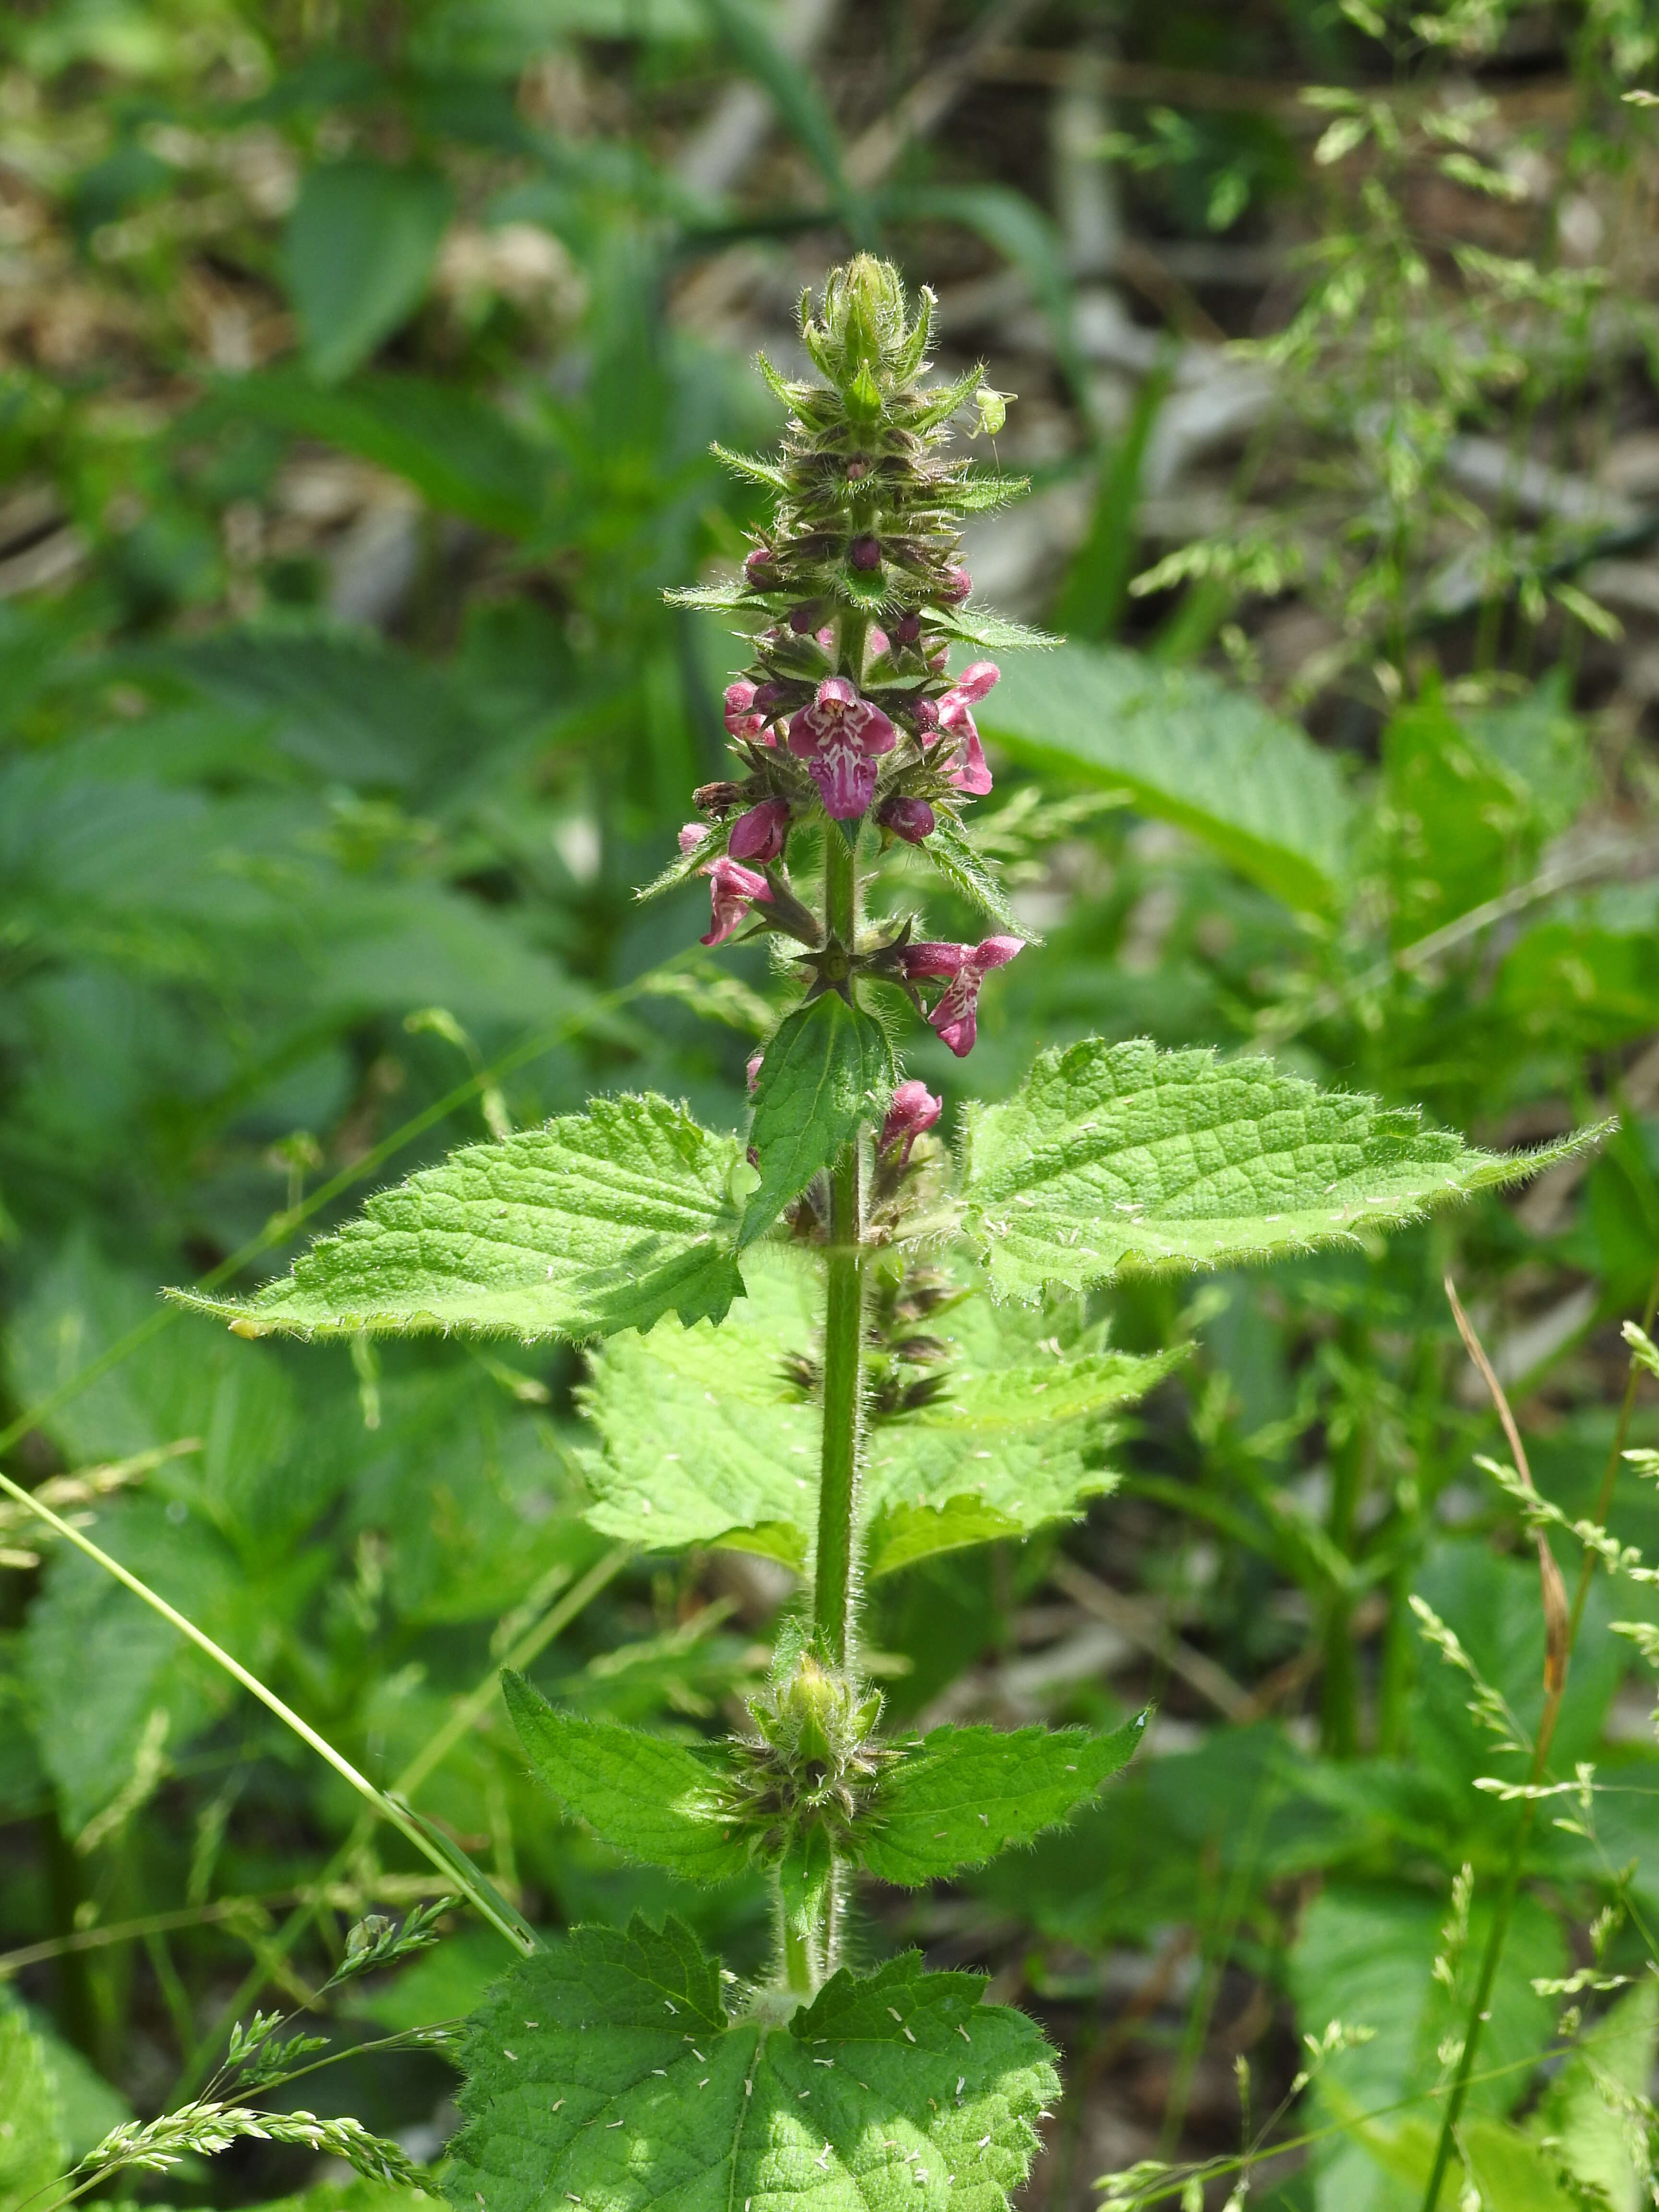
x: 907, y: 629
x: 691, y: 835
x: 865, y: 553
x: 913, y: 1109
x: 804, y: 619
x: 759, y: 834
x: 956, y: 585
x: 907, y: 817
x: 741, y: 720
x: 760, y: 567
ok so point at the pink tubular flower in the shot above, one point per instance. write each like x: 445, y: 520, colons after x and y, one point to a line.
x: 733, y: 886
x: 752, y: 1069
x: 968, y: 770
x: 840, y: 736
x: 965, y: 968
x: 692, y: 835
x: 912, y: 819
x: 759, y: 835
x: 741, y: 720
x: 914, y: 1110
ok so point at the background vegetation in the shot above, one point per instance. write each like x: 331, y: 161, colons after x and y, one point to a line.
x: 361, y: 365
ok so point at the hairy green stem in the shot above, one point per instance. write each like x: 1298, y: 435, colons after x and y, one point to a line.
x: 843, y: 1325
x: 798, y: 1968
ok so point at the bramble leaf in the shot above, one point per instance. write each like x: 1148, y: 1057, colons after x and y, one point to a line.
x: 965, y: 1793
x: 655, y: 1800
x: 595, y: 1222
x: 605, y: 2072
x: 825, y: 1069
x: 1013, y: 1443
x: 1119, y: 1157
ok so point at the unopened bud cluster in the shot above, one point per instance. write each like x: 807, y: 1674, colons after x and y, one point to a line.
x: 813, y: 1757
x: 854, y: 595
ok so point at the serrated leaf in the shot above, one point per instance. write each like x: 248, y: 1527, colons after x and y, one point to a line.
x: 715, y: 598
x: 965, y: 1793
x: 970, y: 875
x: 1192, y: 751
x: 597, y: 1222
x: 827, y: 1069
x: 605, y: 2072
x: 655, y: 1800
x: 982, y: 493
x: 1015, y: 1442
x: 683, y: 866
x: 997, y: 633
x: 1000, y: 1453
x: 1118, y: 1157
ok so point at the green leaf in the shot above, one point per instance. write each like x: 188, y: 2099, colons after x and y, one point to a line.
x: 1003, y: 1453
x: 461, y: 453
x: 953, y: 853
x: 965, y: 1793
x: 1511, y: 2171
x: 31, y: 2141
x: 597, y: 1222
x: 1583, y: 2112
x: 1119, y: 1157
x: 1015, y: 1442
x: 1365, y: 1955
x: 605, y: 2071
x: 1092, y: 599
x: 1190, y: 751
x: 825, y: 1071
x: 974, y: 625
x: 361, y: 241
x: 1456, y: 828
x: 793, y: 90
x: 703, y: 1440
x: 655, y: 1800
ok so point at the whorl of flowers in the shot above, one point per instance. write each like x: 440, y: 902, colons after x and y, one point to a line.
x: 854, y: 595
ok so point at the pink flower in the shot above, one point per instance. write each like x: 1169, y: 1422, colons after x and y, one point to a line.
x: 752, y: 1070
x: 912, y: 819
x: 968, y: 770
x: 759, y: 835
x: 733, y: 886
x: 693, y: 834
x: 914, y: 1110
x: 741, y: 720
x: 840, y: 736
x: 965, y: 968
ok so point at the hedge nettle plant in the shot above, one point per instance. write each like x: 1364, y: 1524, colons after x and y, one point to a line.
x: 885, y: 1352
